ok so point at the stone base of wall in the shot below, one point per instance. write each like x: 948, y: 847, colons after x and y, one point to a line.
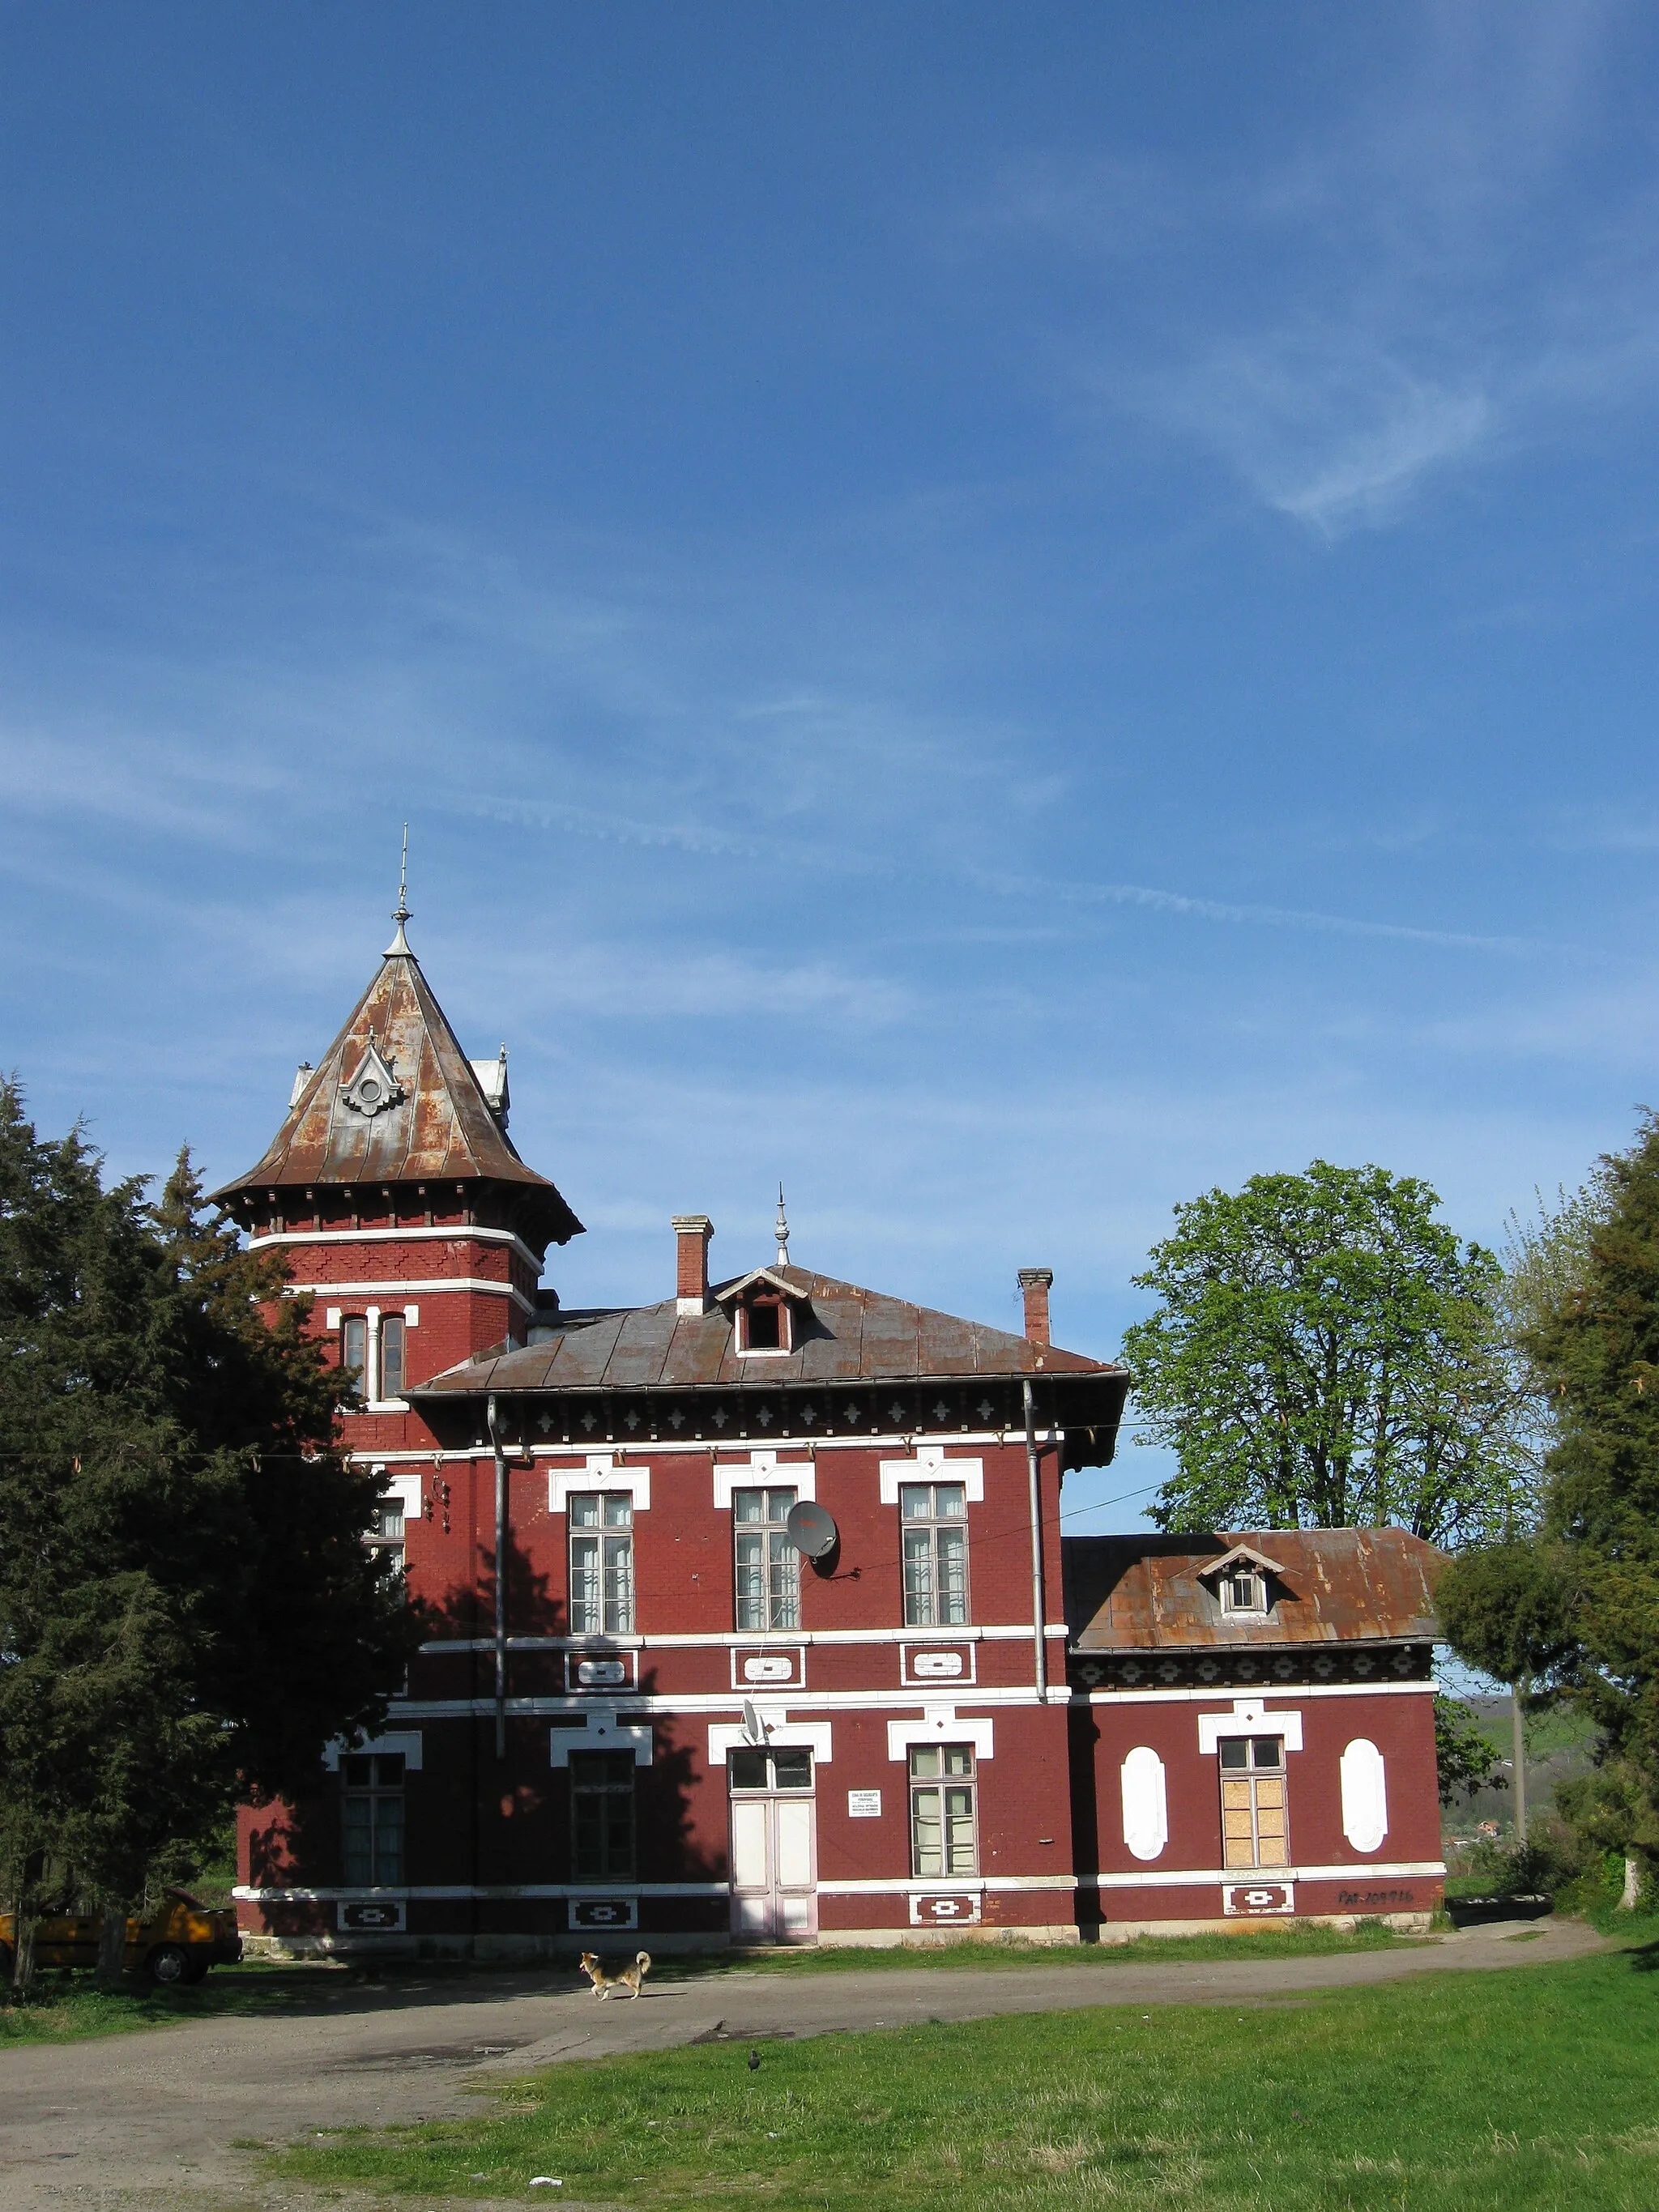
x: 1244, y: 1927
x: 931, y: 1939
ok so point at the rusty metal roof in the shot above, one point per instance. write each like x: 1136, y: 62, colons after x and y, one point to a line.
x: 438, y: 1128
x: 841, y: 1334
x: 1335, y: 1585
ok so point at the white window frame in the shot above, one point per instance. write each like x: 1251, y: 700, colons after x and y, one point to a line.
x: 778, y: 1564
x: 933, y: 1522
x: 604, y: 1534
x: 921, y: 1786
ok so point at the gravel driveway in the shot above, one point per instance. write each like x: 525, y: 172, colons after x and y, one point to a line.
x: 152, y: 2120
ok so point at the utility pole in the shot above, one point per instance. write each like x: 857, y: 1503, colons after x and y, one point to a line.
x: 1518, y: 1691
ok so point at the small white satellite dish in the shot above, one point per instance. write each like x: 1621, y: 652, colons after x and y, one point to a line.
x: 753, y: 1726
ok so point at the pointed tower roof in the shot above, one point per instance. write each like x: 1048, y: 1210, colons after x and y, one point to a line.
x: 395, y: 1100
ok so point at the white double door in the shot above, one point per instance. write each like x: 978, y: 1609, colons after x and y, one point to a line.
x: 774, y: 1894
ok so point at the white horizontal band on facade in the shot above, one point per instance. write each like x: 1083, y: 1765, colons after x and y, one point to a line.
x: 1420, y: 1687
x: 423, y: 1235
x: 437, y: 1893
x: 956, y: 1886
x: 700, y: 1703
x: 1367, y: 1870
x: 729, y: 1640
x: 445, y: 1892
x: 697, y: 1446
x: 428, y: 1287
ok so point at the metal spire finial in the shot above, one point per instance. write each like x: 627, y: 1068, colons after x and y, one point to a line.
x: 400, y: 912
x: 783, y: 1232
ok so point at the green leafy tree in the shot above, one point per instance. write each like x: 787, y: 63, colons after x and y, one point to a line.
x: 187, y: 1609
x: 1576, y: 1608
x: 1465, y: 1757
x: 1326, y: 1352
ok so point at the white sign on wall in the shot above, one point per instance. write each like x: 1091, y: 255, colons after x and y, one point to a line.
x: 864, y: 1804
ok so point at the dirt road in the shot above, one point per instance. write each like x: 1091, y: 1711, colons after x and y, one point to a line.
x: 165, y: 2116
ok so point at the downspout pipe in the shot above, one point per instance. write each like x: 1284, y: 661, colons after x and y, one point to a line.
x: 1039, y: 1605
x: 501, y: 1576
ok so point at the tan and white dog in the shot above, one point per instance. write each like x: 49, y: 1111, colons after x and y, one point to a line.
x: 628, y: 1980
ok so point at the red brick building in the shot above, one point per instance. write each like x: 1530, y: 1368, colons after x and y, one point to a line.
x: 752, y: 1603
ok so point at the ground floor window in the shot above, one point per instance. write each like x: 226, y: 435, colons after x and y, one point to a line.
x: 1254, y: 1829
x: 944, y: 1827
x: 372, y: 1819
x: 602, y: 1815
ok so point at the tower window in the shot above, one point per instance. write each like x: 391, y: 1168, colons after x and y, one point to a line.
x: 392, y: 1356
x: 934, y: 1533
x: 1245, y: 1590
x: 763, y: 1326
x: 354, y: 1351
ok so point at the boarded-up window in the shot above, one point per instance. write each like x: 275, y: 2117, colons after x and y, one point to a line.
x: 1146, y: 1803
x: 1364, y: 1795
x: 1254, y: 1830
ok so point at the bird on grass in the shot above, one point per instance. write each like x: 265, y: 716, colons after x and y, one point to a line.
x: 754, y: 2062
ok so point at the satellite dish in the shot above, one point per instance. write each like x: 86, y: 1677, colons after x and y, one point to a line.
x: 811, y: 1530
x: 753, y: 1726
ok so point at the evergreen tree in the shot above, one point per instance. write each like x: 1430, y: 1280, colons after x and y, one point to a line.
x: 1576, y: 1608
x: 187, y: 1608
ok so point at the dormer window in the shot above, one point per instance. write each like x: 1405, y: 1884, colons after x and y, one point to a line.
x: 763, y: 1326
x: 1244, y: 1590
x: 1245, y: 1583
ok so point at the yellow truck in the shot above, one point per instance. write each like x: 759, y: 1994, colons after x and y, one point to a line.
x: 174, y: 1945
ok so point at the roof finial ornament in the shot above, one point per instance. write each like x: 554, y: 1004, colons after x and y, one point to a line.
x: 400, y: 912
x: 783, y: 1232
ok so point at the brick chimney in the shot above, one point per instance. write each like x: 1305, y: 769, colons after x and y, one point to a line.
x: 1034, y: 1282
x: 693, y: 1231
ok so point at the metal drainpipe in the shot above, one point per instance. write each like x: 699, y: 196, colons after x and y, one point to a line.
x: 1039, y: 1605
x: 501, y: 1578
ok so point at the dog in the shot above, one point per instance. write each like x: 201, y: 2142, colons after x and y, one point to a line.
x: 628, y: 1980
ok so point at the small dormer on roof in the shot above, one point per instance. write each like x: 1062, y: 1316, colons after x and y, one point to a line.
x: 373, y: 1086
x: 1244, y: 1581
x: 763, y: 1306
x: 492, y: 1081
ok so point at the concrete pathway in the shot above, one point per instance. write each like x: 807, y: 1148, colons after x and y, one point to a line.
x: 163, y: 2116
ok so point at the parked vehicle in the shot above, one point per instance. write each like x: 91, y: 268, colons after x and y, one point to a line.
x: 172, y: 1946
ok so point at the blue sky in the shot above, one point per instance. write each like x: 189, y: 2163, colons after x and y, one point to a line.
x: 1006, y: 614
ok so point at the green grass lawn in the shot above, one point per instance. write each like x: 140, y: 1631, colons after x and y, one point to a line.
x: 1531, y: 2088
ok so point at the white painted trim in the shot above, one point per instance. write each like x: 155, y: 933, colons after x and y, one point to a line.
x: 432, y: 1287
x: 601, y: 1473
x: 793, y: 1657
x: 411, y: 1316
x: 1143, y: 1789
x: 781, y: 1735
x: 764, y: 1468
x: 1004, y: 1882
x: 660, y: 1446
x: 1196, y: 1877
x: 1396, y: 1689
x: 604, y: 1732
x: 1248, y: 1716
x: 410, y: 1236
x: 406, y: 1740
x: 929, y: 1464
x: 406, y: 1488
x: 445, y: 1892
x: 939, y: 1725
x: 935, y: 1677
x: 1364, y: 1794
x: 695, y: 1704
x: 715, y: 1640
